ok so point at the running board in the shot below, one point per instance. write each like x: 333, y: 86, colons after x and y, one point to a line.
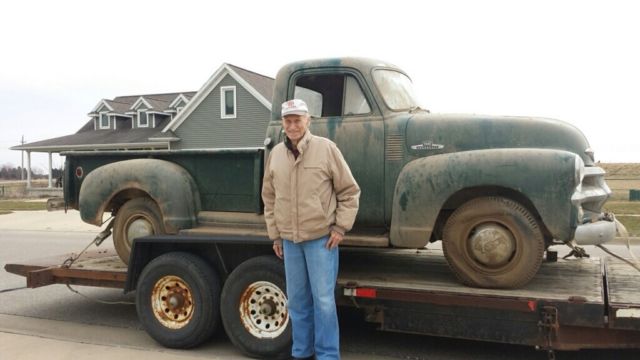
x: 360, y: 240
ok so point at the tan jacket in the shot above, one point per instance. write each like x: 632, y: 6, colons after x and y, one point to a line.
x: 307, y: 197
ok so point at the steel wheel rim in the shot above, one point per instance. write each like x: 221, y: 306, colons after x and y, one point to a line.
x: 138, y: 226
x: 263, y: 310
x: 172, y: 302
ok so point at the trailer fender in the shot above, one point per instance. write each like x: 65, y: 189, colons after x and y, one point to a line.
x: 168, y: 184
x: 547, y: 178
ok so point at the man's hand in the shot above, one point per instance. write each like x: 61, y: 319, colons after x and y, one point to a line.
x: 335, y: 239
x: 277, y: 248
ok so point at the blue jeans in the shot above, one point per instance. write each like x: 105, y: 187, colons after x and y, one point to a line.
x: 311, y: 271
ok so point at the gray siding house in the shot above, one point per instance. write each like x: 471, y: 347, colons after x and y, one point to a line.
x: 231, y: 110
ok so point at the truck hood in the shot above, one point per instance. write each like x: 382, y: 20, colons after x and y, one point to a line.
x: 430, y: 134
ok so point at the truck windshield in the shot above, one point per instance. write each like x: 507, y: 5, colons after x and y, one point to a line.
x: 396, y: 89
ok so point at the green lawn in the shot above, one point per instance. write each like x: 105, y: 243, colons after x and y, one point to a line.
x: 623, y: 207
x: 632, y: 223
x: 4, y: 212
x: 8, y: 205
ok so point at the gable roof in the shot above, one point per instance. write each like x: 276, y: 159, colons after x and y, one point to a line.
x: 263, y: 84
x: 259, y: 86
x: 178, y: 99
x: 101, y: 103
x: 123, y: 104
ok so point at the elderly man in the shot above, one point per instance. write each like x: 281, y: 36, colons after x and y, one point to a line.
x: 310, y: 201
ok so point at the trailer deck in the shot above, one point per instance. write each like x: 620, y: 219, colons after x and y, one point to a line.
x: 569, y: 305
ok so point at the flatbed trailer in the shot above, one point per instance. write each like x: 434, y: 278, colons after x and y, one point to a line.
x: 570, y: 304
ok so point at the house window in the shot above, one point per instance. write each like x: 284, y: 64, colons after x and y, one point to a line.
x: 104, y: 120
x: 179, y: 109
x: 143, y: 120
x: 228, y: 102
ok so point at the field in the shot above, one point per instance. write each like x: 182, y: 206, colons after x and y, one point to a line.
x: 13, y: 189
x: 621, y: 178
x: 7, y: 206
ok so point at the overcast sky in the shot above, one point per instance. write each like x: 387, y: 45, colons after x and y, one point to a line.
x: 578, y: 61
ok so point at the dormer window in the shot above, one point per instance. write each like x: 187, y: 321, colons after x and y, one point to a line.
x: 143, y: 119
x: 179, y: 109
x: 228, y: 102
x: 104, y: 120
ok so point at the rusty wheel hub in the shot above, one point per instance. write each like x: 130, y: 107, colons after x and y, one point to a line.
x: 263, y: 310
x: 492, y: 245
x: 172, y: 302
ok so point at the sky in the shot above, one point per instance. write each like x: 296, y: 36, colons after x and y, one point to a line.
x: 578, y: 61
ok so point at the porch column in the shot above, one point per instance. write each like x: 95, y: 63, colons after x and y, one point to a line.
x: 28, y: 169
x: 50, y: 172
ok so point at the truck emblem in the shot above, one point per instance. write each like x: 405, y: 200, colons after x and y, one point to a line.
x: 427, y: 145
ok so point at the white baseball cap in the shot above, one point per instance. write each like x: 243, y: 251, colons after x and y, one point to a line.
x: 294, y: 107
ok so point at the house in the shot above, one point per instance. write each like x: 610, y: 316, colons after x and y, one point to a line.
x: 231, y: 110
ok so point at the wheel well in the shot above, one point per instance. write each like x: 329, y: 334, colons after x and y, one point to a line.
x: 465, y: 195
x: 123, y: 196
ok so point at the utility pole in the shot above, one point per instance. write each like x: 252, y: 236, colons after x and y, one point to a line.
x: 22, y: 160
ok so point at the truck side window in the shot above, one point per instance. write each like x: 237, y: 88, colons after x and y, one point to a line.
x: 332, y: 95
x: 354, y: 101
x: 312, y: 98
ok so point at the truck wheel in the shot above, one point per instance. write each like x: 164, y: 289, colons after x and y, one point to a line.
x: 493, y: 242
x: 178, y: 300
x: 136, y: 218
x: 254, y: 308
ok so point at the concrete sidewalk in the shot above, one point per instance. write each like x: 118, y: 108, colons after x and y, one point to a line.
x: 43, y: 220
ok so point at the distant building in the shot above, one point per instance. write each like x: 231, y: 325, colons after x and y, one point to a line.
x: 231, y: 110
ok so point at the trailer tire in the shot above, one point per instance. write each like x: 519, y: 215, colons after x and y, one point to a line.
x: 255, y: 286
x: 137, y: 217
x: 493, y: 242
x: 178, y: 300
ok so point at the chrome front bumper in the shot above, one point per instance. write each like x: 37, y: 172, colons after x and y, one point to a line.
x: 594, y: 227
x: 595, y: 233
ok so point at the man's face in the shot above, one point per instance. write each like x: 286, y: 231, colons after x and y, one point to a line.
x: 295, y: 126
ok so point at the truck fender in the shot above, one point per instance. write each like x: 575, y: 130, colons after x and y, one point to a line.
x: 169, y: 185
x: 546, y: 177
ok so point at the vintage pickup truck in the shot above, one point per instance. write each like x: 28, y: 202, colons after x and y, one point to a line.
x: 496, y: 190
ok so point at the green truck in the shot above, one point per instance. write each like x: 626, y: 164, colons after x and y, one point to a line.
x: 497, y: 191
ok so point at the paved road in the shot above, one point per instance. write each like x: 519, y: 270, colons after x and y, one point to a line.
x: 53, y: 323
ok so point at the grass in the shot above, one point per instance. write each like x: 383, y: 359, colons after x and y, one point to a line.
x: 5, y: 212
x: 623, y: 207
x: 9, y: 205
x: 632, y: 223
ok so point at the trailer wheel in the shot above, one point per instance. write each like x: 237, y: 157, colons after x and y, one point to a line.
x: 493, y: 242
x: 178, y: 300
x: 136, y: 218
x: 254, y: 308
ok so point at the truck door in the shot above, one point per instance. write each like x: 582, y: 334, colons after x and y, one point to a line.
x: 343, y: 109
